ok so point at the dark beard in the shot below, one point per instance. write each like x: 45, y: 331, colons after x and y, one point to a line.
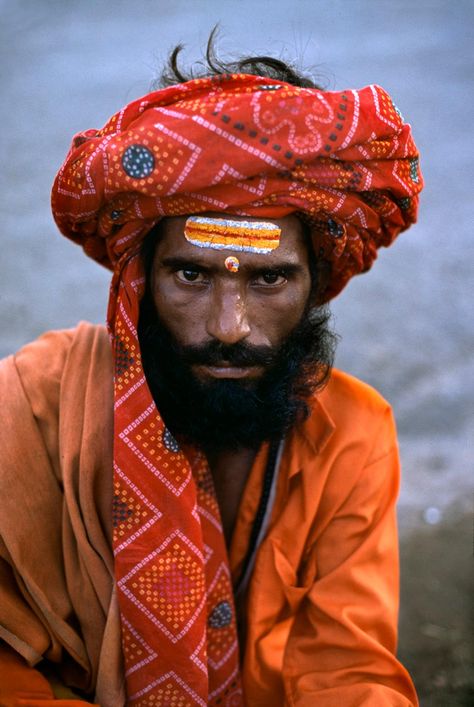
x: 225, y: 414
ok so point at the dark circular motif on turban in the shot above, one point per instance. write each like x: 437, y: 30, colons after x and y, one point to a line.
x: 404, y: 203
x: 335, y: 229
x: 170, y: 442
x: 221, y: 615
x: 138, y: 162
x: 414, y: 174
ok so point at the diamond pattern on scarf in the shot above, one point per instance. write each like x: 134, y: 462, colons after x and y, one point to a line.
x: 126, y: 358
x: 222, y: 644
x: 170, y: 554
x: 221, y: 636
x: 144, y: 438
x: 168, y: 586
x: 136, y: 650
x: 126, y: 512
x: 167, y: 690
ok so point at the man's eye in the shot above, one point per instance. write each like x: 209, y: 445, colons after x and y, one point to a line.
x: 189, y: 275
x: 271, y: 277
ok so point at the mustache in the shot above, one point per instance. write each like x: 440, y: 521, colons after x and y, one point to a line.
x: 214, y: 352
x: 230, y: 414
x: 240, y: 354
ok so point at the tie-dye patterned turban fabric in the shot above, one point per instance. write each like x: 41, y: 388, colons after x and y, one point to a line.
x: 250, y: 146
x: 242, y: 145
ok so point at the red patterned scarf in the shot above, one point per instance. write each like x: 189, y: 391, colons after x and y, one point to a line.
x: 175, y: 595
x: 237, y: 144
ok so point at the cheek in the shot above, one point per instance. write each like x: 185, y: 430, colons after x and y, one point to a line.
x: 276, y: 318
x: 182, y: 314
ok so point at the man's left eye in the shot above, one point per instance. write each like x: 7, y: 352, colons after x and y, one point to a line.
x: 272, y: 277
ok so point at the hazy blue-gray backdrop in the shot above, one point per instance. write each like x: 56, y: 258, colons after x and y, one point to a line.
x: 406, y: 327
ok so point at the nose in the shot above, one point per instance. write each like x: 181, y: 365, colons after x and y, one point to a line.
x: 227, y: 320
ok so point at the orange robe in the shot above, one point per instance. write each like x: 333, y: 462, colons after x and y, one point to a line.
x: 321, y: 607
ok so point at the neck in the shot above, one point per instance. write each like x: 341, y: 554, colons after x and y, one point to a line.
x: 230, y: 471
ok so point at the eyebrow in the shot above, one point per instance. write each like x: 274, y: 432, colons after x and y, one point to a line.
x: 177, y: 263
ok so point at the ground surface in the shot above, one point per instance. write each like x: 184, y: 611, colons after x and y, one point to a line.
x: 406, y: 327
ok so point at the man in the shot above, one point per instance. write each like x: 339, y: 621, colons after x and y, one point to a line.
x: 253, y: 557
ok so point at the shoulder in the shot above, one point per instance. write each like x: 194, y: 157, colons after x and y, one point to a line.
x: 358, y: 417
x: 48, y: 353
x: 346, y: 398
x: 350, y: 448
x: 39, y: 366
x: 53, y: 347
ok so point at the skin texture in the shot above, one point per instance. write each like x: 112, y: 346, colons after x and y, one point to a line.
x: 198, y: 299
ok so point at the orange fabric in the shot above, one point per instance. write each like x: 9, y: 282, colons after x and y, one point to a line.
x: 323, y: 599
x: 56, y: 566
x: 245, y: 145
x: 22, y: 686
x: 322, y: 602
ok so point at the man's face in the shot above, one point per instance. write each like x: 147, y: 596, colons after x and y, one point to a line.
x: 198, y: 300
x: 231, y: 358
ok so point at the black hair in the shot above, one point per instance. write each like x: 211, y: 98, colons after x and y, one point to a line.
x: 213, y: 65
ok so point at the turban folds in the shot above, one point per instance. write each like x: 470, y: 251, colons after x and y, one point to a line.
x: 248, y: 146
x: 245, y: 145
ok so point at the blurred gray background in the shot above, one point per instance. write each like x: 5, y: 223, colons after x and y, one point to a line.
x: 406, y: 327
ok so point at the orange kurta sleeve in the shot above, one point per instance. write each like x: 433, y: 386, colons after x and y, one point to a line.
x: 340, y: 650
x: 56, y: 585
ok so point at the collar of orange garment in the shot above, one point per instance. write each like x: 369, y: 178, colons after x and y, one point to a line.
x: 314, y: 435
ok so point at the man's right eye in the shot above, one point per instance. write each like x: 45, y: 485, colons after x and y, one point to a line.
x: 189, y: 275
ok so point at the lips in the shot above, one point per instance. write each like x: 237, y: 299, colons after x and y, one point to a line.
x: 227, y: 370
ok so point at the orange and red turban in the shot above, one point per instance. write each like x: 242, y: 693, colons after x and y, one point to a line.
x: 242, y: 145
x: 250, y: 146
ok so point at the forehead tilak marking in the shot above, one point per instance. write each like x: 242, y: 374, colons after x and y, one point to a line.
x: 229, y: 234
x: 232, y: 263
